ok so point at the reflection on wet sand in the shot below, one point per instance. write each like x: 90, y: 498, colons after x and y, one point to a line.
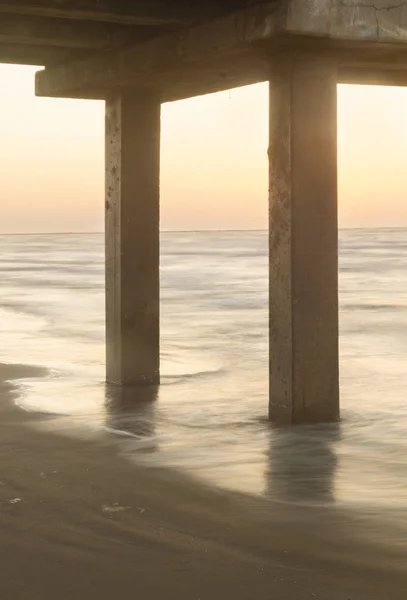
x: 131, y: 411
x: 302, y: 464
x: 79, y: 522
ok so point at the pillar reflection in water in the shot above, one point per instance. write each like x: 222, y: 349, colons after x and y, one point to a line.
x: 302, y: 464
x: 130, y: 412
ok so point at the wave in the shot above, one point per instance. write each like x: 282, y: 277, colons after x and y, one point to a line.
x: 168, y: 379
x: 374, y: 307
x: 145, y: 441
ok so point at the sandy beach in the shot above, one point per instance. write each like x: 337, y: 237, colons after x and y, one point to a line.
x: 78, y: 521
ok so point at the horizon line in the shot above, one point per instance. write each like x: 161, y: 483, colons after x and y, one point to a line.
x: 346, y: 228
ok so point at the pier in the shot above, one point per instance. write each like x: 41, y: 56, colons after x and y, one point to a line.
x: 138, y: 54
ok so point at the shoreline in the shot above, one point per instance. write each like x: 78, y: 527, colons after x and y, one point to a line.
x: 80, y: 521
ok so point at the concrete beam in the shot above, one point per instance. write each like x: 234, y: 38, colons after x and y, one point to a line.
x: 211, y: 49
x: 132, y: 238
x: 201, y: 58
x: 60, y: 33
x: 304, y: 375
x: 130, y: 12
x: 143, y: 13
x: 22, y: 54
x: 373, y: 76
x: 362, y: 20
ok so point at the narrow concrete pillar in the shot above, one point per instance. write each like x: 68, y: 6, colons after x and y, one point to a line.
x: 304, y: 374
x: 132, y: 238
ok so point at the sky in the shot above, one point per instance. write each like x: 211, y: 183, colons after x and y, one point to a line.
x: 214, y: 159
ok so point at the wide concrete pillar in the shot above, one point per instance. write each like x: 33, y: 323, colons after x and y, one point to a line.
x: 304, y: 374
x: 132, y: 237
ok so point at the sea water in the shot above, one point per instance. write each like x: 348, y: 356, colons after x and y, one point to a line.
x: 209, y: 415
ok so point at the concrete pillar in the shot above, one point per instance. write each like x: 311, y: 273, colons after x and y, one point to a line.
x: 132, y: 237
x: 304, y: 374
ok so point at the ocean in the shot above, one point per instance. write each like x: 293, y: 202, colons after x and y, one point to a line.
x: 209, y: 416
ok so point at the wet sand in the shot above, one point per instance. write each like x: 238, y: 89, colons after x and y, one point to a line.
x: 80, y: 522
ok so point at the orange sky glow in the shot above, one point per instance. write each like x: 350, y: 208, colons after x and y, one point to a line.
x: 214, y: 161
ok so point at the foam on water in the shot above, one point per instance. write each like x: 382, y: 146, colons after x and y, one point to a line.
x: 209, y: 415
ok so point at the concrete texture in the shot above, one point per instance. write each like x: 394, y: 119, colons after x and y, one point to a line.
x: 374, y: 20
x: 132, y: 238
x: 304, y: 381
